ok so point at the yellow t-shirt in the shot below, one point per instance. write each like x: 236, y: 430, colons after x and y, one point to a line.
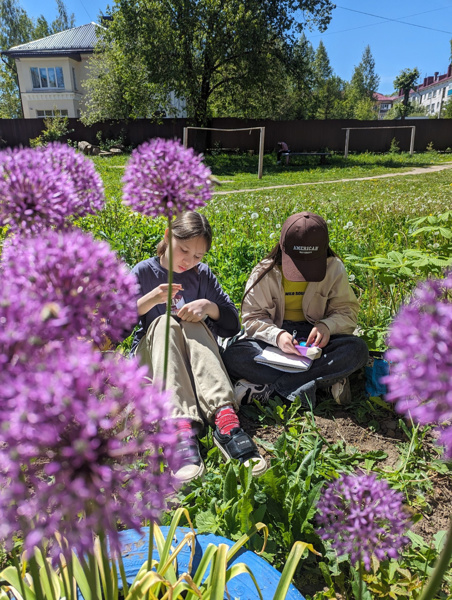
x: 293, y: 294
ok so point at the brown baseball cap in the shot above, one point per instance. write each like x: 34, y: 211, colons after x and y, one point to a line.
x: 304, y: 244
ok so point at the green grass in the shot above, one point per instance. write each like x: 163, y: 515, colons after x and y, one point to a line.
x: 366, y: 218
x: 237, y: 172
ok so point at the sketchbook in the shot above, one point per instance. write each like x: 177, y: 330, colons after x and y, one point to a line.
x: 277, y: 359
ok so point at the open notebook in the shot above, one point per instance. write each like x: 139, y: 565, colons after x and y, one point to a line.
x: 277, y: 359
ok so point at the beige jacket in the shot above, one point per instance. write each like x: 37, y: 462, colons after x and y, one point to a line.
x: 330, y: 301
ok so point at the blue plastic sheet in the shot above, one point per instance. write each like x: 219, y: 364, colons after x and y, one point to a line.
x: 376, y: 369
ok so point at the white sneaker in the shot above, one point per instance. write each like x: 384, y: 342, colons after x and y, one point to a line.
x: 245, y: 392
x: 341, y: 392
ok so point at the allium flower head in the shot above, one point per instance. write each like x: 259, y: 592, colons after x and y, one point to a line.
x: 362, y: 516
x: 76, y: 287
x: 42, y: 187
x: 420, y: 338
x: 80, y: 435
x: 33, y: 194
x: 88, y: 186
x: 164, y: 178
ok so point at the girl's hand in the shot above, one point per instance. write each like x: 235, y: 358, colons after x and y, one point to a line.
x: 160, y: 294
x: 197, y: 310
x: 319, y: 336
x: 284, y: 342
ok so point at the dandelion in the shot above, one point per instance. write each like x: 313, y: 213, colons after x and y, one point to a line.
x: 278, y: 225
x: 272, y: 235
x: 420, y: 341
x: 233, y: 230
x: 254, y: 215
x: 75, y: 284
x: 73, y: 423
x: 164, y: 178
x: 351, y: 277
x: 329, y: 221
x: 350, y: 224
x: 362, y: 516
x: 266, y: 209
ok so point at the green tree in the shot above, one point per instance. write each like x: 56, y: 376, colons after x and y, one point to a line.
x: 360, y: 92
x: 404, y: 82
x: 201, y: 49
x: 328, y: 90
x: 447, y: 110
x: 16, y: 28
x: 63, y: 21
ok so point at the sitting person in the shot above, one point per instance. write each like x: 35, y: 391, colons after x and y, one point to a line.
x: 300, y: 291
x: 200, y: 309
x: 282, y: 149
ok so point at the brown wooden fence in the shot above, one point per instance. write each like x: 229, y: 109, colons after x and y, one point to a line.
x: 299, y: 135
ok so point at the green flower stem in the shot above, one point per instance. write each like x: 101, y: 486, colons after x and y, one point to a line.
x: 150, y: 544
x: 439, y: 569
x: 168, y: 304
x: 19, y: 572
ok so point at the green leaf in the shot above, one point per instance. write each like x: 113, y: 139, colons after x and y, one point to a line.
x: 230, y: 491
x: 206, y: 522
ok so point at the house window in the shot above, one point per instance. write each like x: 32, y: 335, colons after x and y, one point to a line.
x: 51, y: 77
x: 434, y: 94
x: 430, y: 94
x: 74, y: 79
x: 51, y: 113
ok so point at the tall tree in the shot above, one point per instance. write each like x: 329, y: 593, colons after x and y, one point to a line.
x: 404, y: 82
x: 328, y: 89
x: 361, y: 90
x: 63, y: 20
x: 16, y: 27
x: 365, y: 79
x: 198, y: 48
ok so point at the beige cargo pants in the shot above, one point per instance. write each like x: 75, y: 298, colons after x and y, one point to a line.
x: 196, y: 375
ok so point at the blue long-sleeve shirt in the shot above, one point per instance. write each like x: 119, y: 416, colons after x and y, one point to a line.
x: 197, y: 283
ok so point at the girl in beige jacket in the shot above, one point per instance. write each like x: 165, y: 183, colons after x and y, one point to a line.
x: 299, y: 292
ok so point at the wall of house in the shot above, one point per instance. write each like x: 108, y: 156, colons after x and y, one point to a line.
x: 67, y: 99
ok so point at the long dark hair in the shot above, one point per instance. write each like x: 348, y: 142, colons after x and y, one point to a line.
x: 186, y: 226
x: 275, y: 255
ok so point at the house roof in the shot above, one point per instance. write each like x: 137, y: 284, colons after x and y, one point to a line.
x: 382, y: 98
x: 70, y: 42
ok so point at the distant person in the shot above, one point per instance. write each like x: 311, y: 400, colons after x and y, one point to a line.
x: 299, y: 292
x: 282, y: 147
x: 200, y: 310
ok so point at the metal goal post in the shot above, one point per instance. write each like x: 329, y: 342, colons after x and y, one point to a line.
x: 260, y: 167
x: 348, y: 129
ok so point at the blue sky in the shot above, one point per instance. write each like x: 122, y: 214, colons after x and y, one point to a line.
x: 401, y: 33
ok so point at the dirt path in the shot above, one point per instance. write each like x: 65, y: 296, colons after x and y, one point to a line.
x: 416, y: 171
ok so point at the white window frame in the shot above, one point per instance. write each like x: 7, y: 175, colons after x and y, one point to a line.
x: 45, y: 113
x: 45, y: 76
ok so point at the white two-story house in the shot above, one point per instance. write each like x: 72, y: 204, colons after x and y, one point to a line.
x: 50, y: 71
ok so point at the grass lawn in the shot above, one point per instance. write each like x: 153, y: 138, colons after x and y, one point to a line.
x: 240, y: 171
x: 373, y: 228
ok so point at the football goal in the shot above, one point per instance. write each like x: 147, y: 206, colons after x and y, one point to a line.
x: 261, y: 130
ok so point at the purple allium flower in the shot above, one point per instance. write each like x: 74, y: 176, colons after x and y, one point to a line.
x: 42, y: 187
x: 76, y: 285
x: 362, y: 516
x: 87, y: 182
x: 81, y: 436
x: 33, y: 193
x: 420, y: 338
x: 164, y: 178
